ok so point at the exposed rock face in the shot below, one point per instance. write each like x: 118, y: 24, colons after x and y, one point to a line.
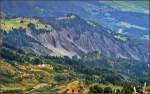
x: 75, y: 36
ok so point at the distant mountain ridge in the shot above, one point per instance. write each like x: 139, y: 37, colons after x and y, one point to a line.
x: 71, y: 35
x: 131, y: 17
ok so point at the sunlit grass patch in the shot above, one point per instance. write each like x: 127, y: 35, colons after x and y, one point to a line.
x: 16, y: 23
x: 71, y: 87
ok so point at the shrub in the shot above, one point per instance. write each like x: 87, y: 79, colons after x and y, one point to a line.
x: 108, y: 90
x: 96, y: 89
x: 127, y: 90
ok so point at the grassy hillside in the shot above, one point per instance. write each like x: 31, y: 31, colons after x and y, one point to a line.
x: 26, y: 73
x: 131, y: 6
x: 19, y: 22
